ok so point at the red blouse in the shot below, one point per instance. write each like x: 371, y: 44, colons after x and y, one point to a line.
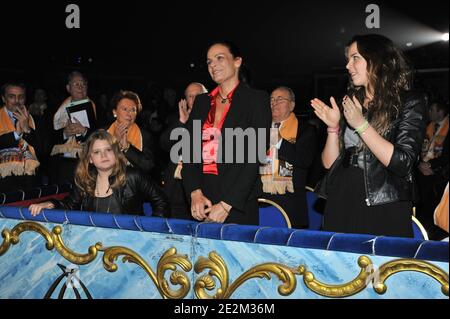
x: 211, y: 134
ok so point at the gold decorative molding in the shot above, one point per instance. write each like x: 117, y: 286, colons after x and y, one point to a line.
x: 344, y: 290
x: 70, y: 255
x: 391, y: 268
x: 12, y: 236
x: 368, y: 274
x: 168, y: 261
x: 219, y: 270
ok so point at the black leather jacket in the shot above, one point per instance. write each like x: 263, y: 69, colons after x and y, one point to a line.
x: 137, y: 190
x: 396, y: 181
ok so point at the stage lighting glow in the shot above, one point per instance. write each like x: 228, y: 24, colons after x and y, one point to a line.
x: 409, y: 44
x: 445, y: 37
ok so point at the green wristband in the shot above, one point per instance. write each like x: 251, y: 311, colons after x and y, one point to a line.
x: 361, y: 129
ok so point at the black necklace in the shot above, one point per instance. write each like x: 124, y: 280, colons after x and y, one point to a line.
x: 224, y: 99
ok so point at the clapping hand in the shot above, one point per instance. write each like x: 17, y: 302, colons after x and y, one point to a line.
x: 329, y: 115
x: 184, y: 111
x: 22, y: 116
x: 353, y: 112
x: 121, y: 134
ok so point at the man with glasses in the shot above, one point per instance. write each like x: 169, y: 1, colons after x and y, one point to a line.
x: 292, y: 150
x: 18, y: 141
x: 69, y: 132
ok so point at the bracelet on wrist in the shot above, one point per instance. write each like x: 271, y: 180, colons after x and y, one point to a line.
x: 361, y: 129
x: 335, y: 130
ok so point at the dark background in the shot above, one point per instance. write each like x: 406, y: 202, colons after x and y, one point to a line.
x: 131, y: 44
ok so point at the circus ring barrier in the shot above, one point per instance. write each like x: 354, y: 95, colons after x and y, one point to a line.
x: 74, y: 254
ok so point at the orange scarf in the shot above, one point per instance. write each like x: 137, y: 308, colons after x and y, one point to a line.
x: 288, y: 130
x: 19, y: 160
x: 276, y: 175
x: 134, y: 135
x: 433, y: 144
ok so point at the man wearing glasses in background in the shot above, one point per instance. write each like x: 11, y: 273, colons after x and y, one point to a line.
x: 292, y: 150
x: 69, y: 133
x: 19, y: 142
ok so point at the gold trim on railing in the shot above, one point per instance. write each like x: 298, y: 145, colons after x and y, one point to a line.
x: 70, y: 255
x: 168, y: 261
x: 368, y: 274
x: 12, y: 236
x: 218, y: 268
x: 391, y: 268
x: 344, y: 290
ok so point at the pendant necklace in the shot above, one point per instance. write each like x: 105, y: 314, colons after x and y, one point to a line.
x: 109, y: 199
x: 224, y: 99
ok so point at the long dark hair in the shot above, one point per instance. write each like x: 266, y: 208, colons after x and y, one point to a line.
x: 244, y: 71
x: 389, y: 77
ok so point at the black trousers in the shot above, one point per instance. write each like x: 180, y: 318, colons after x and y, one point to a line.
x: 212, y: 189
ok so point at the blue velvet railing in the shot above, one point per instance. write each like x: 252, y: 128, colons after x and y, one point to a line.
x: 353, y: 243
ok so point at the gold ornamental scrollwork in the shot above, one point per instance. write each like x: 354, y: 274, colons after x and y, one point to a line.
x: 219, y: 270
x: 391, y: 268
x: 344, y: 290
x: 168, y: 261
x: 13, y: 236
x: 70, y: 255
x: 368, y: 274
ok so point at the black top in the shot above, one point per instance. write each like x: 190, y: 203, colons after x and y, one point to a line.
x: 130, y: 198
x: 107, y: 204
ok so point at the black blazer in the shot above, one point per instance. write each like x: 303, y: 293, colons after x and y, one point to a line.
x: 144, y: 159
x: 130, y: 197
x: 301, y: 156
x: 240, y: 185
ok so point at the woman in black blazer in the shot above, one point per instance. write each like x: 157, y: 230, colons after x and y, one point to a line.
x: 224, y: 187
